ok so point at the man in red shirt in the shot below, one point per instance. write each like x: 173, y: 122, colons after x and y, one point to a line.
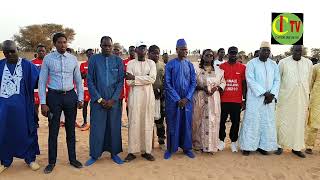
x: 232, y: 98
x: 86, y: 98
x: 41, y: 52
x: 126, y: 87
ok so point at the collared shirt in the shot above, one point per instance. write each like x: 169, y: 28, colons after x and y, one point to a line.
x: 63, y: 70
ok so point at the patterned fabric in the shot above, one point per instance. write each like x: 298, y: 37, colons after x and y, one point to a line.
x: 293, y: 102
x: 206, y: 111
x: 258, y: 129
x: 314, y: 109
x: 10, y: 83
x: 314, y: 118
x: 63, y: 70
x: 311, y: 136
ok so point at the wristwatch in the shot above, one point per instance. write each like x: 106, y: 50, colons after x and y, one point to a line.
x: 99, y: 100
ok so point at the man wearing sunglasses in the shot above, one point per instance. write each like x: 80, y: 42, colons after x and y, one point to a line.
x: 18, y: 129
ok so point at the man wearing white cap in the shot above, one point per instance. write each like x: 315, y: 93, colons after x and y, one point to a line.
x: 258, y: 130
x: 292, y: 107
x: 141, y: 74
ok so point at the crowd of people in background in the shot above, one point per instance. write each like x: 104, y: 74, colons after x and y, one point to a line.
x: 188, y: 104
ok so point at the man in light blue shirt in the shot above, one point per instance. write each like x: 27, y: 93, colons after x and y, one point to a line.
x: 59, y: 71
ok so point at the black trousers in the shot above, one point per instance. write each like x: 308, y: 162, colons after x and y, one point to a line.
x: 161, y: 131
x: 234, y: 110
x: 36, y: 114
x: 57, y: 103
x: 85, y: 112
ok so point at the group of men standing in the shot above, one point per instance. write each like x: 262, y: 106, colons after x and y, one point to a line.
x: 277, y: 103
x: 60, y: 90
x: 275, y: 99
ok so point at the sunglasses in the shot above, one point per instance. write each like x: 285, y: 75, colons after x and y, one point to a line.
x: 9, y: 51
x: 233, y: 52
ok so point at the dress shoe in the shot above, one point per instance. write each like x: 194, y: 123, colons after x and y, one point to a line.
x: 263, y: 152
x: 308, y: 151
x: 76, y: 164
x: 148, y: 156
x: 279, y: 151
x: 49, y: 168
x: 299, y: 153
x: 246, y: 153
x: 130, y: 157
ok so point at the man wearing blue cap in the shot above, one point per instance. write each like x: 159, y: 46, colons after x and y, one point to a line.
x: 180, y: 84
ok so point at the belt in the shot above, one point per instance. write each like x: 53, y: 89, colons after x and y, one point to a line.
x: 59, y: 91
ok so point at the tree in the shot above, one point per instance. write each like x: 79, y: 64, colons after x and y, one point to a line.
x: 315, y: 52
x: 31, y: 36
x: 289, y: 53
x: 0, y: 46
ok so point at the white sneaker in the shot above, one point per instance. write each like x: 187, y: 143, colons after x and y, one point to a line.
x: 234, y: 147
x: 221, y: 145
x: 34, y: 166
x: 2, y: 168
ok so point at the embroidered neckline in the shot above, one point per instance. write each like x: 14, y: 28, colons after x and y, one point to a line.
x: 10, y: 83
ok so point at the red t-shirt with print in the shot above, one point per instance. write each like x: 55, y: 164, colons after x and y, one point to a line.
x: 234, y: 74
x: 84, y: 70
x: 38, y: 63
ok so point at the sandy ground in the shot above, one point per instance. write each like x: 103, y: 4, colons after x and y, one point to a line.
x: 221, y: 165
